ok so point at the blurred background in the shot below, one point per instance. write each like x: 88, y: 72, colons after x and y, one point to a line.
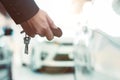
x: 88, y: 50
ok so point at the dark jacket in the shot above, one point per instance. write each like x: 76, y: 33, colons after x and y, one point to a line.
x: 3, y: 10
x: 20, y: 10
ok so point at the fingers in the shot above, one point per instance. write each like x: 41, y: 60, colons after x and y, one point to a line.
x: 44, y: 30
x: 56, y: 30
x: 42, y: 25
x: 33, y: 31
x: 49, y: 34
x: 39, y: 29
x: 27, y: 29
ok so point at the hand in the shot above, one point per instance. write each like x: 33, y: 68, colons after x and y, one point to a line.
x: 42, y: 25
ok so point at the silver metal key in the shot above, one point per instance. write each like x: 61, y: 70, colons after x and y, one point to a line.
x: 26, y: 42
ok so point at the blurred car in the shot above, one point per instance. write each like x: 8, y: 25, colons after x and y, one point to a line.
x: 5, y: 63
x: 52, y: 56
x: 6, y: 53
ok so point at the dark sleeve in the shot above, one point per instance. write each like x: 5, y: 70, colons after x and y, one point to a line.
x: 20, y: 10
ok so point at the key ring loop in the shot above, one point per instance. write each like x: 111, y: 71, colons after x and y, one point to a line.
x: 25, y: 33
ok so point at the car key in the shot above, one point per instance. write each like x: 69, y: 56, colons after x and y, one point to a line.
x: 26, y: 42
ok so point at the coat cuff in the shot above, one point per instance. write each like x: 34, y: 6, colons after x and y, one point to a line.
x: 20, y: 10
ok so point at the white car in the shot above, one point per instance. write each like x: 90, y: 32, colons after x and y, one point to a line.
x: 52, y: 56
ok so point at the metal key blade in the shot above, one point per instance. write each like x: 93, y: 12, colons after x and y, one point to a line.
x: 26, y: 42
x: 26, y: 48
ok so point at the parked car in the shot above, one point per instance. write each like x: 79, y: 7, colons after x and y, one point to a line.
x: 5, y: 63
x: 52, y: 56
x: 5, y: 55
